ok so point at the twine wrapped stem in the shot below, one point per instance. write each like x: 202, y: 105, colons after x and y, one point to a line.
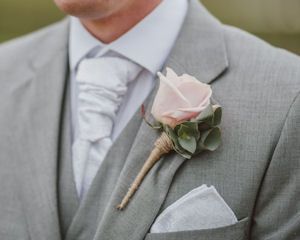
x: 161, y: 146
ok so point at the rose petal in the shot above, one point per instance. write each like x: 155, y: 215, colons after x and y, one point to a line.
x: 179, y: 98
x: 181, y: 114
x: 167, y: 98
x: 188, y: 78
x: 177, y: 117
x: 171, y: 122
x: 166, y: 85
x: 173, y: 78
x: 199, y: 108
x: 193, y: 110
x: 195, y: 92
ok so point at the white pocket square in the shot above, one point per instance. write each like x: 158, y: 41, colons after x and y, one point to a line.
x: 201, y: 208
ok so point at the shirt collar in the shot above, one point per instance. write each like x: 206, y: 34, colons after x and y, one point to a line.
x: 148, y: 43
x: 81, y: 42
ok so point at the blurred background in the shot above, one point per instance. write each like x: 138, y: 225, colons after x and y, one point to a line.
x: 276, y: 21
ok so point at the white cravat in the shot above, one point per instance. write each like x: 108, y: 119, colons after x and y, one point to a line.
x: 102, y: 84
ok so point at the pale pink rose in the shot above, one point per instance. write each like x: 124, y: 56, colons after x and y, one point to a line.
x: 179, y: 98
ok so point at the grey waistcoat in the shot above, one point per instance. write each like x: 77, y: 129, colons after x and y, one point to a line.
x: 68, y: 202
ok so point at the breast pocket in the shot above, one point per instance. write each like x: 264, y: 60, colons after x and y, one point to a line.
x: 237, y: 231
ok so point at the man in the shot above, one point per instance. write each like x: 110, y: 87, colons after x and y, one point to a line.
x: 73, y: 139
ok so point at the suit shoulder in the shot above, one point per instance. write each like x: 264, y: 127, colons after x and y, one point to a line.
x: 253, y: 55
x: 20, y: 49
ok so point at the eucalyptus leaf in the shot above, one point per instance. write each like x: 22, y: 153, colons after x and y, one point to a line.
x: 181, y: 150
x: 193, y: 126
x: 183, y: 131
x: 217, y: 116
x: 211, y: 139
x: 176, y: 128
x: 185, y: 155
x: 203, y: 127
x: 188, y: 129
x: 206, y: 114
x: 188, y: 144
x: 169, y: 132
x: 200, y: 148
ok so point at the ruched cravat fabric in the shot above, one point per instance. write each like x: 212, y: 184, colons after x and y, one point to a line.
x: 102, y: 83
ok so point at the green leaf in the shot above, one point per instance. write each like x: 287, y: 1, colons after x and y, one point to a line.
x: 183, y: 131
x: 188, y: 144
x: 206, y: 114
x: 203, y: 127
x: 217, y: 116
x: 176, y: 128
x: 193, y: 126
x: 210, y: 139
x: 180, y: 150
x: 188, y: 129
x: 169, y: 132
x: 185, y: 155
x: 200, y: 147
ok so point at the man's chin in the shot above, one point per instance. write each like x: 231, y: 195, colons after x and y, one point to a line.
x: 88, y: 9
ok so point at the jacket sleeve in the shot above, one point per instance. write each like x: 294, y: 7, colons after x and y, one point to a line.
x: 277, y: 211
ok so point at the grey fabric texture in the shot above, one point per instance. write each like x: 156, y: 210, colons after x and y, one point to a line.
x: 33, y: 77
x: 256, y: 170
x: 68, y: 201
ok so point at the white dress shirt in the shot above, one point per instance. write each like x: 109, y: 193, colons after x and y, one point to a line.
x: 148, y: 44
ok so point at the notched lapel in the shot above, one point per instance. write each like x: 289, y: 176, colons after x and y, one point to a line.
x: 38, y: 137
x: 199, y: 51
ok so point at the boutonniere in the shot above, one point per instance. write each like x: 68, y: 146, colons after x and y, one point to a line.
x: 187, y: 120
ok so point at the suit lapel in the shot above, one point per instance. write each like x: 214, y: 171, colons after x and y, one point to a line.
x: 37, y: 141
x: 200, y: 48
x: 199, y: 51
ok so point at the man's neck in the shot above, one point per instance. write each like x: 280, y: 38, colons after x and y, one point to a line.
x: 112, y: 27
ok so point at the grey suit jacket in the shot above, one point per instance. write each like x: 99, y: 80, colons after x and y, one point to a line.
x: 256, y: 170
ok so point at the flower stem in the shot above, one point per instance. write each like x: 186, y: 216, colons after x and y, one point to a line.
x: 146, y: 121
x: 162, y: 145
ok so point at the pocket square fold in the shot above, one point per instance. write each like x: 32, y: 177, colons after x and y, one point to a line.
x: 201, y: 208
